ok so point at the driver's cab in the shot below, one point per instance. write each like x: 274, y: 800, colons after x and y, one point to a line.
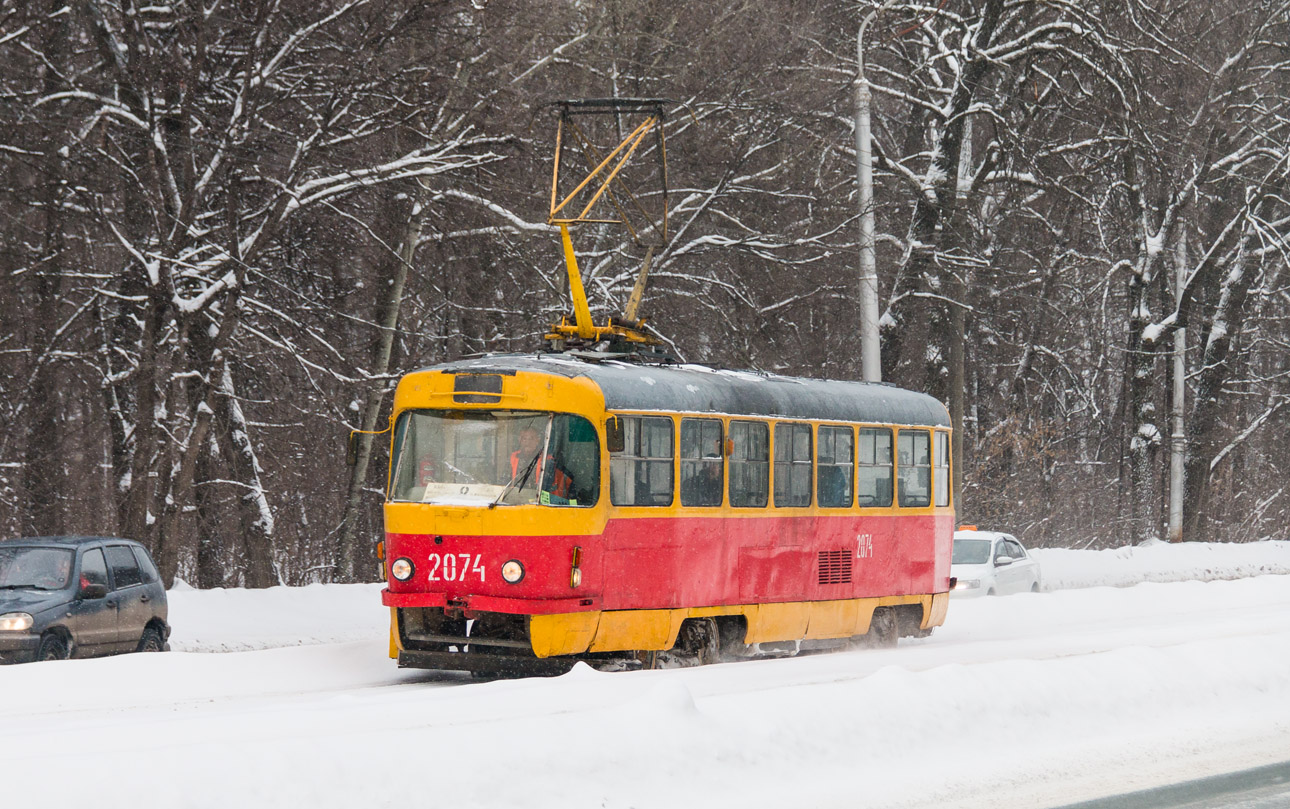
x: 493, y: 458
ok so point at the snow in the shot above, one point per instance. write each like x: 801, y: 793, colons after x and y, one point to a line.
x: 239, y: 620
x: 1179, y: 670
x: 1157, y: 561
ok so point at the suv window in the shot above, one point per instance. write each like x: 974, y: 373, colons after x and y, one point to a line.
x: 125, y: 570
x: 149, y: 570
x: 93, y: 568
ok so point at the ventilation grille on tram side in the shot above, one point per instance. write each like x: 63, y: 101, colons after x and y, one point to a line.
x: 835, y: 567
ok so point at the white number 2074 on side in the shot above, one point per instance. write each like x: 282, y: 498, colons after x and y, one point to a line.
x: 454, y: 566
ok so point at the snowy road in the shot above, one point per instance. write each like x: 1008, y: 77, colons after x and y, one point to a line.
x: 1027, y: 701
x: 1265, y: 787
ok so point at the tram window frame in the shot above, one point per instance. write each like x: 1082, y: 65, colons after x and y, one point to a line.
x: 702, y: 450
x: 436, y: 456
x: 941, y: 461
x: 641, y: 434
x: 797, y: 468
x: 828, y: 458
x: 914, y: 476
x: 749, y: 450
x: 869, y: 465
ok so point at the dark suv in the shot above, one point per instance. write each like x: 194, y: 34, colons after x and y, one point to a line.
x: 66, y: 597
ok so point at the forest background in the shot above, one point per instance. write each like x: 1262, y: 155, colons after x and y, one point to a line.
x: 209, y: 211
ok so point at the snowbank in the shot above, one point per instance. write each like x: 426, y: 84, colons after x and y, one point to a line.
x: 237, y: 620
x: 1160, y: 562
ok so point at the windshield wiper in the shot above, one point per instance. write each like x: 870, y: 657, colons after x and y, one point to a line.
x: 521, y: 475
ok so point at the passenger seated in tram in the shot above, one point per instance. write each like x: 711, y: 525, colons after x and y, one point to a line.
x: 833, y: 487
x: 701, y: 479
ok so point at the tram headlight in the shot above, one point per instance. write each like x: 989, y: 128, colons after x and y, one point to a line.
x: 513, y: 571
x: 402, y: 569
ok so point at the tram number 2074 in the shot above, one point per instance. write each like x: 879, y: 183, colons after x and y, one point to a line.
x: 446, y: 567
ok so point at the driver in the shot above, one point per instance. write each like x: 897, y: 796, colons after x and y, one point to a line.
x: 560, y: 483
x: 529, y: 441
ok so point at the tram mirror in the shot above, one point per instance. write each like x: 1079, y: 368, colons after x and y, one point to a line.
x: 614, y: 434
x: 351, y: 452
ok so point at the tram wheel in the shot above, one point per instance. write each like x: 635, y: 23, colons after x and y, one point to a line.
x: 884, y: 630
x: 699, y: 640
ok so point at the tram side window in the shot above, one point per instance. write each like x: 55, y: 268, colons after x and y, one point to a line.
x: 641, y: 475
x: 913, y: 453
x: 702, y: 462
x: 749, y: 464
x: 792, y: 465
x: 573, y: 475
x: 833, y: 467
x: 874, y: 471
x: 942, y: 459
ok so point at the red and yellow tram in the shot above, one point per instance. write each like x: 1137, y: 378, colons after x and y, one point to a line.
x: 544, y: 509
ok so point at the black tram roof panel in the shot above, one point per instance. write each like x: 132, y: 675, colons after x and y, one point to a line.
x: 700, y: 389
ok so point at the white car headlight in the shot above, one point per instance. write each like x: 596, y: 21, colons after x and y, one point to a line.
x: 968, y: 584
x: 402, y: 569
x: 513, y: 571
x: 15, y: 622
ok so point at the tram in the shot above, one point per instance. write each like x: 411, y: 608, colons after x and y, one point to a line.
x: 548, y: 508
x: 599, y: 501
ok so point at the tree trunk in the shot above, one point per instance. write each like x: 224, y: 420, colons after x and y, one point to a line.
x: 348, y: 555
x: 1204, y: 425
x: 255, y: 517
x: 210, y: 550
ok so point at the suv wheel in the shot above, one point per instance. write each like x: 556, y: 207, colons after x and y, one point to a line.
x: 151, y: 640
x: 52, y: 647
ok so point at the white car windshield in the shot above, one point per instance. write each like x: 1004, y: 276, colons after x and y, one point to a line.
x: 971, y: 552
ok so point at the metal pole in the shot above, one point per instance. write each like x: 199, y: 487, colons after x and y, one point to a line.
x: 1178, y: 437
x: 870, y: 348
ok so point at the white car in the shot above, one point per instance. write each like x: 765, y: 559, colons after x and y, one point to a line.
x: 988, y: 563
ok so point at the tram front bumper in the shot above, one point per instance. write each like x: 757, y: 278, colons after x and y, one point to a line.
x: 482, y: 603
x: 485, y: 664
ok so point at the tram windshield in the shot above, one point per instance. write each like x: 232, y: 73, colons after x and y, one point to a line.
x: 495, y: 457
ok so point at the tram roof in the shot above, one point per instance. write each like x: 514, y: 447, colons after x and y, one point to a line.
x: 701, y: 389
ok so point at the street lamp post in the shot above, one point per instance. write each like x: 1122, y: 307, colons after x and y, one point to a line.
x: 870, y: 350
